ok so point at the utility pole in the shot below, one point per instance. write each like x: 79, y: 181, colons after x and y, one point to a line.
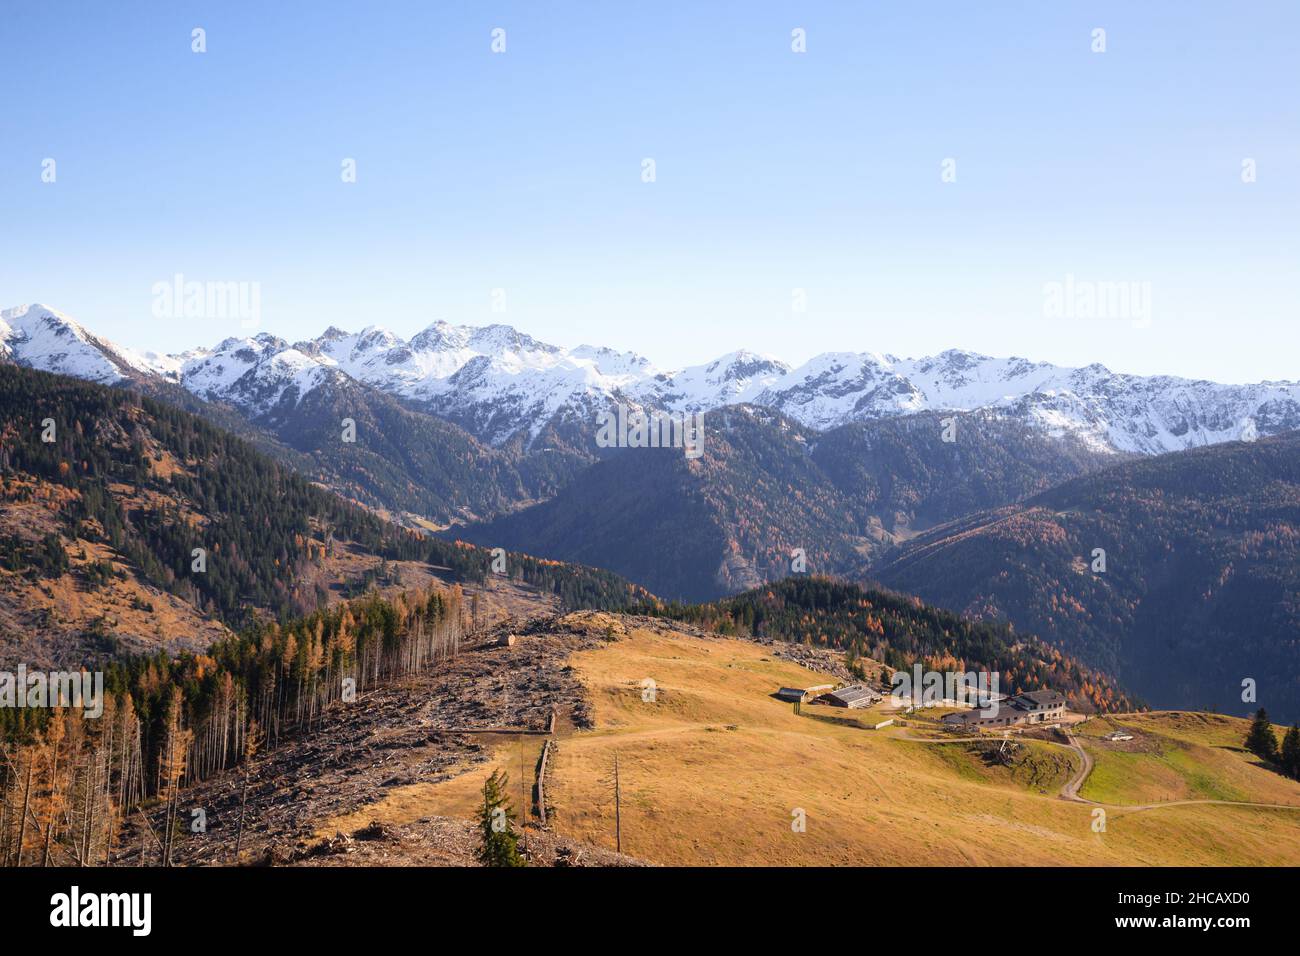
x: 618, y: 819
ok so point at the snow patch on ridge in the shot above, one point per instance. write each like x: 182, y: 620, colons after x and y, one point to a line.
x: 500, y: 382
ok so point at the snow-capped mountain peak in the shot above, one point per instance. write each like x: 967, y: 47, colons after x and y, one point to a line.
x: 739, y: 376
x: 503, y: 339
x: 500, y: 382
x: 40, y: 337
x: 441, y: 336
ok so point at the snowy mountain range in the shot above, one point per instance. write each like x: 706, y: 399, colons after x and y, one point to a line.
x: 500, y: 383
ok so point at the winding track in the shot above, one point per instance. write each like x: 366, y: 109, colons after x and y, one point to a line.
x: 1070, y: 789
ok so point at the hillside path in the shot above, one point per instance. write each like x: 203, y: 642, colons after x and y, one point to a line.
x: 1070, y: 790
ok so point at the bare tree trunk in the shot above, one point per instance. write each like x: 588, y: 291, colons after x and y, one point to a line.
x: 88, y: 808
x: 27, y: 796
x: 243, y: 803
x: 49, y: 825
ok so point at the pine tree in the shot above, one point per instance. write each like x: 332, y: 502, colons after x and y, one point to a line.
x: 1260, y: 740
x: 500, y: 845
x: 1291, y: 752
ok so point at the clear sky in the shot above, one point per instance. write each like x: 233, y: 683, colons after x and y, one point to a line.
x: 775, y: 171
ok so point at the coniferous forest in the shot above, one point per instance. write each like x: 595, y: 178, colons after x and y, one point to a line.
x: 153, y: 484
x: 67, y: 782
x: 899, y: 631
x: 156, y: 484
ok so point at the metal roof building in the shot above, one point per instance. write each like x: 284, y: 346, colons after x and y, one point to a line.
x: 1041, y: 699
x: 793, y: 695
x: 1031, y: 707
x: 855, y: 695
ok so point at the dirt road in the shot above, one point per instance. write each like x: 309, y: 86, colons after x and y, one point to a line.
x: 1070, y: 790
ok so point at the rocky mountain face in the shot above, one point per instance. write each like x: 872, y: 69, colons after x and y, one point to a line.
x: 501, y: 385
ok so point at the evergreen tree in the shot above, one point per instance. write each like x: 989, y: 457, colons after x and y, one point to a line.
x: 1260, y: 740
x: 1291, y: 752
x: 500, y: 845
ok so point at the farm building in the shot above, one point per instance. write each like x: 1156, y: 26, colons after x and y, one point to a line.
x: 1040, y: 705
x: 793, y: 695
x: 854, y: 695
x: 1031, y: 707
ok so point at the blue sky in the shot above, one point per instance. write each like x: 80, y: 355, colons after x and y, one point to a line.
x: 775, y: 171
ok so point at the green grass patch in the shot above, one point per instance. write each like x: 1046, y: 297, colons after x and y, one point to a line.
x: 1167, y: 770
x: 1035, y: 766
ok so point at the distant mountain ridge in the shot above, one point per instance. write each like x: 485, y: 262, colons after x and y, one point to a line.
x: 492, y: 431
x: 768, y: 487
x: 401, y: 461
x: 502, y: 385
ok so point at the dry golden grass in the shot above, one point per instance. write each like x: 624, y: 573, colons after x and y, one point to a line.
x: 713, y: 769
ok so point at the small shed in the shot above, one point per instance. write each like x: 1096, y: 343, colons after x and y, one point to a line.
x: 506, y: 640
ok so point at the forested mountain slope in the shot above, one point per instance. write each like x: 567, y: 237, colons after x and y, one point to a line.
x: 765, y: 486
x: 373, y: 448
x: 1201, y: 587
x: 123, y: 519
